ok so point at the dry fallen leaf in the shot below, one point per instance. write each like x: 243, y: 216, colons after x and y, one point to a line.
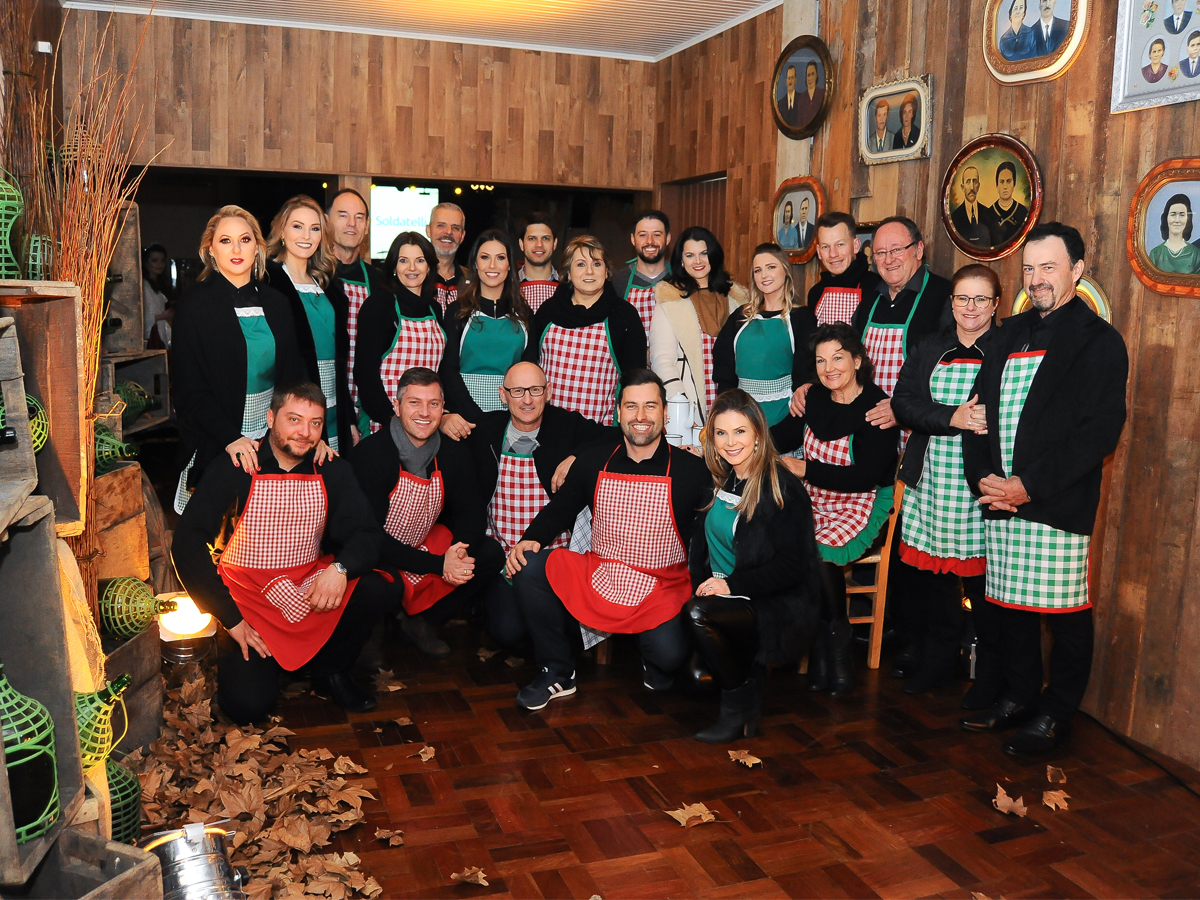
x: 1055, y: 799
x: 975, y: 895
x: 1055, y: 775
x: 515, y: 662
x: 744, y: 757
x: 386, y: 680
x: 344, y: 765
x: 393, y: 838
x: 426, y: 753
x: 485, y: 654
x: 1007, y: 804
x: 402, y: 721
x: 694, y: 814
x: 388, y: 767
x: 471, y: 875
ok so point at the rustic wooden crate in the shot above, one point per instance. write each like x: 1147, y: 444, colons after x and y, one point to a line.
x: 121, y: 523
x: 107, y: 401
x: 33, y: 648
x: 141, y: 657
x: 49, y: 325
x: 149, y: 369
x: 84, y: 866
x: 123, y: 329
x: 18, y: 470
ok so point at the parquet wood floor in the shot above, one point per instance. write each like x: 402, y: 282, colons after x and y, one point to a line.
x: 876, y: 795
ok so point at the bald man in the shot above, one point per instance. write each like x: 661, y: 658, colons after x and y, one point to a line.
x: 522, y: 454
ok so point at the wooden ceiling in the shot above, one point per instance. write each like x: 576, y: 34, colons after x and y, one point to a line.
x: 626, y: 29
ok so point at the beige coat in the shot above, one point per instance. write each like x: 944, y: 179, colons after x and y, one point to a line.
x: 676, y: 354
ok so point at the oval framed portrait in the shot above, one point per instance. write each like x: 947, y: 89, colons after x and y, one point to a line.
x: 1162, y: 238
x: 802, y: 87
x: 1033, y: 40
x: 1091, y: 292
x: 799, y: 202
x: 991, y: 196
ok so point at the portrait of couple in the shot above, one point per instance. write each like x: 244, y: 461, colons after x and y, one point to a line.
x: 796, y: 226
x: 801, y: 90
x: 894, y: 121
x: 1030, y: 29
x: 991, y: 196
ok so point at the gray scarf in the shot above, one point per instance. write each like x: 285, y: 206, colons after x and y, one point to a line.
x: 414, y: 460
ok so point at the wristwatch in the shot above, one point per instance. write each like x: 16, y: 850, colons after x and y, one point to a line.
x: 341, y: 570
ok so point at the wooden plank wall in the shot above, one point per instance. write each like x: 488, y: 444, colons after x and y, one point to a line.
x: 1146, y: 552
x: 714, y: 117
x: 224, y: 95
x: 695, y: 203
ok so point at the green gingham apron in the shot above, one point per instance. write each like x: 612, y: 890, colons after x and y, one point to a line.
x: 762, y: 350
x: 942, y: 519
x: 487, y: 348
x: 1031, y: 565
x: 322, y: 324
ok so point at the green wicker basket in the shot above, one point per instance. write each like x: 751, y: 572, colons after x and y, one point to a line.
x: 39, y: 422
x: 39, y: 257
x: 127, y: 607
x: 12, y: 204
x: 93, y: 715
x: 110, y: 451
x: 29, y: 758
x: 137, y: 400
x: 125, y: 794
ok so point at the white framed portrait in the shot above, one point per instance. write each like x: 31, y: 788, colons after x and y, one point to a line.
x: 895, y: 120
x: 1157, y: 59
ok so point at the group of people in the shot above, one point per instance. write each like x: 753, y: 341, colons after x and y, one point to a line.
x: 409, y: 445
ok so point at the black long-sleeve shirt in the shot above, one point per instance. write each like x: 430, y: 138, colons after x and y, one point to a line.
x: 875, y: 449
x: 857, y: 275
x: 625, y: 329
x: 458, y: 398
x: 933, y: 311
x: 377, y: 327
x: 351, y: 533
x: 376, y: 462
x: 691, y: 487
x: 803, y: 323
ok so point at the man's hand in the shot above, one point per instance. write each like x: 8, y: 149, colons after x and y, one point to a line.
x: 1002, y: 493
x: 246, y: 638
x: 516, y: 559
x: 796, y: 407
x: 796, y: 466
x: 327, y: 591
x: 455, y: 427
x: 355, y: 437
x: 457, y: 567
x: 880, y: 415
x: 971, y: 416
x: 560, y: 474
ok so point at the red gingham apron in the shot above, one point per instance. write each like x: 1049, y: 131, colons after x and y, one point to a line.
x: 710, y: 386
x: 578, y: 362
x: 413, y: 507
x: 635, y: 576
x: 446, y: 294
x: 838, y: 305
x: 272, y: 559
x: 419, y: 342
x: 839, y: 516
x: 537, y: 292
x: 642, y: 298
x: 356, y: 295
x: 519, y: 497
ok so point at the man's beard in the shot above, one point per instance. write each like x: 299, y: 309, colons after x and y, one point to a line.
x: 638, y: 439
x: 1042, y: 301
x: 291, y: 451
x: 657, y: 257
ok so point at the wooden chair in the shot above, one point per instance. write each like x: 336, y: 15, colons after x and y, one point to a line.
x: 604, y: 652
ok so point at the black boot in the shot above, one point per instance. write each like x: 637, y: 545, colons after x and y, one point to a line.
x: 697, y: 676
x: 818, y: 663
x: 741, y: 709
x: 838, y: 639
x: 906, y: 662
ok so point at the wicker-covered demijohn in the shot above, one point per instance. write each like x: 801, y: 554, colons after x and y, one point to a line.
x: 128, y: 606
x: 125, y: 793
x: 29, y: 758
x: 39, y: 421
x: 93, y: 715
x: 137, y: 400
x: 110, y: 450
x: 12, y: 204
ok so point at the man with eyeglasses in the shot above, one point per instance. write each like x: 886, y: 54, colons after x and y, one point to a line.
x: 524, y: 453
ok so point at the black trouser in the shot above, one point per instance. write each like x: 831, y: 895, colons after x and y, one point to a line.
x: 725, y: 631
x: 834, y: 577
x: 489, y: 560
x: 504, y: 622
x: 1070, y: 658
x: 989, y: 675
x: 933, y: 612
x: 248, y: 690
x: 665, y: 647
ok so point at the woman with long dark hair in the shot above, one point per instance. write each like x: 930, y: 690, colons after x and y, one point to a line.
x: 157, y: 293
x: 754, y: 564
x: 487, y: 328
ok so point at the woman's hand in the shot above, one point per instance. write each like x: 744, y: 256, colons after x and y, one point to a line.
x: 456, y: 427
x: 712, y: 586
x: 244, y: 453
x: 323, y: 453
x: 971, y: 416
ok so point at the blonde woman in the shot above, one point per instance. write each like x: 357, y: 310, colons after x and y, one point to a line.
x: 300, y: 264
x: 233, y: 340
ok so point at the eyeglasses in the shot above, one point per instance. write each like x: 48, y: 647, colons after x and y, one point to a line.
x: 961, y: 300
x: 895, y: 251
x: 518, y: 392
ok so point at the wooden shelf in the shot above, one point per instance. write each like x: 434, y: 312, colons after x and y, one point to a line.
x: 18, y: 469
x: 147, y: 421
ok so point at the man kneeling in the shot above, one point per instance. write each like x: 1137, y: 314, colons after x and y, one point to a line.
x: 643, y: 496
x: 286, y: 604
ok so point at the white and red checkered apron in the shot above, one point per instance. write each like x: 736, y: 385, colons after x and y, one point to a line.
x: 537, y: 292
x: 839, y: 516
x: 885, y: 348
x: 580, y: 366
x: 356, y: 295
x: 419, y: 342
x: 519, y: 497
x: 642, y: 299
x: 446, y: 294
x: 273, y: 557
x: 838, y: 305
x: 413, y: 509
x: 710, y: 386
x: 635, y: 576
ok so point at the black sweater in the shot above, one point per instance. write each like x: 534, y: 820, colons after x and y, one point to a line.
x: 351, y: 534
x: 624, y: 325
x: 875, y: 449
x: 279, y: 279
x: 933, y: 312
x: 778, y: 568
x: 377, y: 326
x: 1071, y: 421
x: 857, y: 275
x: 376, y: 462
x: 208, y: 363
x: 458, y: 398
x: 691, y: 486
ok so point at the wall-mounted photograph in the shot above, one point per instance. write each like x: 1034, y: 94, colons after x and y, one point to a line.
x: 991, y: 196
x: 1091, y: 292
x: 799, y: 202
x: 1162, y: 239
x: 895, y: 120
x: 802, y: 89
x: 866, y: 237
x: 1033, y: 40
x: 1157, y: 60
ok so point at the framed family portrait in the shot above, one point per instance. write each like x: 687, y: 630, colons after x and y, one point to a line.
x: 1033, y: 40
x: 1163, y: 243
x: 866, y: 237
x: 1091, y: 292
x: 991, y: 196
x: 803, y: 86
x: 894, y: 121
x: 1157, y: 59
x: 799, y: 202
